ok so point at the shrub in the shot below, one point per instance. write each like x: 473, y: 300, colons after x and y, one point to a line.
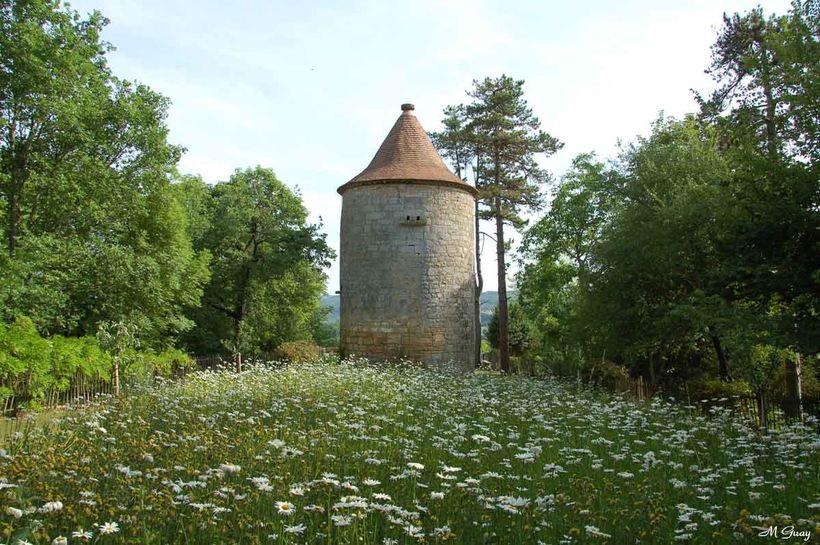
x: 143, y: 366
x: 713, y: 387
x: 31, y: 365
x: 298, y: 351
x: 609, y: 375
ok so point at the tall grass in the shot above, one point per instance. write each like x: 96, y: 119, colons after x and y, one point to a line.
x: 351, y: 453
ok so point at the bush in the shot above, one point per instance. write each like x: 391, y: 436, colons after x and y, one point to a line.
x: 31, y: 365
x: 144, y: 366
x: 713, y: 387
x: 609, y: 375
x: 298, y: 351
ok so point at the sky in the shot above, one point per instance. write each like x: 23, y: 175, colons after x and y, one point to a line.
x: 310, y: 89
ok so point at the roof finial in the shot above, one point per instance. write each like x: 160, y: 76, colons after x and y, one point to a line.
x: 407, y: 107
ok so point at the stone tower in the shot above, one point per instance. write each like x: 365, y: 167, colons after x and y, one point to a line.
x: 407, y: 265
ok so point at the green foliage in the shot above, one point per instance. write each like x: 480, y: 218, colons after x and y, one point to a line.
x: 266, y: 278
x: 766, y: 111
x: 77, y: 355
x: 609, y: 375
x: 147, y: 365
x: 557, y: 248
x: 325, y: 331
x: 646, y: 292
x: 521, y: 334
x: 92, y: 229
x: 708, y: 387
x: 31, y: 366
x: 298, y: 351
x: 694, y: 254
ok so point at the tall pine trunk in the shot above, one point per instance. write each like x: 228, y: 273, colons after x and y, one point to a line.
x: 478, y: 287
x: 503, y: 325
x: 791, y: 365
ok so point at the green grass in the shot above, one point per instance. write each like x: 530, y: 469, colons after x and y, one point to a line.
x: 401, y: 455
x: 12, y: 430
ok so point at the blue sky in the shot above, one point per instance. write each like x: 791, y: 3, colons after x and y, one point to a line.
x: 310, y: 89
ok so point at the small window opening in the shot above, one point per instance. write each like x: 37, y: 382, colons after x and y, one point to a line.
x: 418, y: 218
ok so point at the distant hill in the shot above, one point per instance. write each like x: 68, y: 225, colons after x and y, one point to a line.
x: 331, y: 301
x: 489, y: 300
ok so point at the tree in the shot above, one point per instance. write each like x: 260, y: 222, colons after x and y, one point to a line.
x: 768, y: 82
x: 583, y: 203
x: 661, y: 289
x: 521, y: 335
x: 93, y: 232
x: 52, y: 67
x: 556, y: 251
x: 507, y: 137
x: 266, y: 277
x: 767, y: 105
x: 117, y: 339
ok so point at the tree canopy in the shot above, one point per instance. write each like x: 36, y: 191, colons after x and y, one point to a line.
x: 696, y: 250
x: 98, y: 226
x: 497, y: 136
x: 266, y: 273
x: 92, y: 229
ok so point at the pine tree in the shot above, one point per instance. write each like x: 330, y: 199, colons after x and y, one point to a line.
x: 507, y: 137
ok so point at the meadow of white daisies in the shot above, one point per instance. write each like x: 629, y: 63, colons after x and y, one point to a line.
x: 351, y: 453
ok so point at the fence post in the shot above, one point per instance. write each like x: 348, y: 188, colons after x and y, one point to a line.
x: 791, y: 405
x: 116, y: 376
x: 762, y: 410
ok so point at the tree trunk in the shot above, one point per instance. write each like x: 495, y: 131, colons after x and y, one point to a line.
x: 762, y: 410
x: 478, y: 287
x: 117, y: 376
x: 771, y: 107
x: 14, y: 219
x: 723, y: 362
x: 503, y: 325
x: 792, y: 406
x: 794, y: 398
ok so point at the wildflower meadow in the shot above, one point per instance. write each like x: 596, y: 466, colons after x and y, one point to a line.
x: 353, y: 453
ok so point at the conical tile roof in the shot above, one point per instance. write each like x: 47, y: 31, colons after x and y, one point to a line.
x: 406, y: 154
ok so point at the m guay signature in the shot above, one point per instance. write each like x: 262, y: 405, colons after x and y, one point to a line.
x: 786, y: 532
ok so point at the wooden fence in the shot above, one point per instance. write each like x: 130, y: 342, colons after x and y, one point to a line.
x: 636, y: 388
x: 766, y: 414
x: 758, y: 410
x: 81, y: 391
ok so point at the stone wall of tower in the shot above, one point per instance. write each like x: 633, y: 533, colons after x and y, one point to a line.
x: 407, y: 279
